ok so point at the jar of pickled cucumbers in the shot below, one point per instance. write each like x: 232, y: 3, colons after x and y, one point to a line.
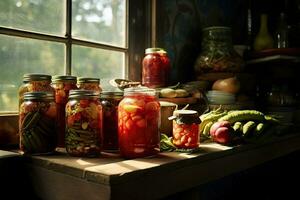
x: 62, y: 85
x: 89, y: 84
x: 35, y: 83
x: 110, y: 101
x: 37, y: 121
x: 185, y: 129
x: 138, y: 121
x: 83, y: 123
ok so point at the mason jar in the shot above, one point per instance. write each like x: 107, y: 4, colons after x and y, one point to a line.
x: 37, y: 123
x: 35, y: 83
x: 186, y: 129
x: 110, y: 101
x: 83, y: 123
x: 217, y: 54
x: 62, y: 85
x: 138, y: 121
x: 89, y: 84
x: 156, y: 68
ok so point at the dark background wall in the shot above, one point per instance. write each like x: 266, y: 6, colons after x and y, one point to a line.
x: 179, y: 24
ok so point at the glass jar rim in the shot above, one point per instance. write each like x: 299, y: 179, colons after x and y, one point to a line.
x: 225, y: 28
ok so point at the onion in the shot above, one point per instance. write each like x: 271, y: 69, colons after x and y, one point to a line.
x: 231, y: 85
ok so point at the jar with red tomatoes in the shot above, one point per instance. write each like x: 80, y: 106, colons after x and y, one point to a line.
x: 110, y: 101
x: 138, y: 121
x: 35, y: 83
x: 185, y: 129
x: 62, y: 85
x: 84, y: 123
x: 89, y: 84
x: 156, y: 68
x: 37, y: 121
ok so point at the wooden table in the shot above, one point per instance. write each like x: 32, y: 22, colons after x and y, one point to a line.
x: 111, y: 177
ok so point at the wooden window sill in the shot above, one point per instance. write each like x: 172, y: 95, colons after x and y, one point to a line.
x: 111, y: 177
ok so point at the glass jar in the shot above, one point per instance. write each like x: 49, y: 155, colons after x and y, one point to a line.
x: 83, y: 123
x: 110, y: 101
x: 35, y: 83
x: 156, y: 68
x: 138, y: 121
x: 217, y: 53
x: 89, y: 84
x: 185, y: 129
x: 37, y: 123
x: 62, y: 85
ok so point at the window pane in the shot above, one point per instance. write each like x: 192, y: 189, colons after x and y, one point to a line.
x: 47, y: 16
x: 103, y: 64
x: 19, y: 56
x: 101, y: 21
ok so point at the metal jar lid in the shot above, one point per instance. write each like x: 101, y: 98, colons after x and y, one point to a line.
x: 58, y: 78
x: 36, y: 77
x: 88, y: 80
x: 83, y: 93
x: 155, y: 50
x: 38, y: 95
x: 185, y: 117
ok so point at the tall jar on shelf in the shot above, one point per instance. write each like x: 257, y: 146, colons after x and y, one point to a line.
x: 62, y: 84
x: 156, y: 68
x: 83, y: 123
x: 217, y: 53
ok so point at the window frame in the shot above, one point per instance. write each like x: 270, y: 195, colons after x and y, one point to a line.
x: 138, y: 37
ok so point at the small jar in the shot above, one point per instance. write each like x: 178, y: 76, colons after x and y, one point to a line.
x: 156, y: 68
x: 185, y: 129
x: 62, y: 85
x: 89, y: 84
x: 83, y: 123
x: 138, y: 121
x: 217, y: 54
x: 110, y: 101
x: 37, y: 123
x: 35, y: 83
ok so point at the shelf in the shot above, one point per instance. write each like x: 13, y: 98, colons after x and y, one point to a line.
x: 274, y: 55
x: 111, y: 177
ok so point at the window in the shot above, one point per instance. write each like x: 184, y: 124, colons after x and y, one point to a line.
x: 78, y: 37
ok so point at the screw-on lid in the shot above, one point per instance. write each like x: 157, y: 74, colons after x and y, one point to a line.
x: 111, y: 94
x: 36, y: 77
x: 38, y: 95
x: 185, y: 117
x: 83, y: 93
x: 141, y: 90
x: 155, y: 50
x: 58, y: 78
x: 88, y: 80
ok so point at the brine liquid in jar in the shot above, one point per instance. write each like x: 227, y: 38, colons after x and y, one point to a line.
x: 62, y: 85
x: 138, y: 121
x: 84, y: 123
x: 37, y: 123
x: 110, y: 101
x: 35, y: 83
x: 89, y: 84
x: 156, y: 68
x: 185, y: 129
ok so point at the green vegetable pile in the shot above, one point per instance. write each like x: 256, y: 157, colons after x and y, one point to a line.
x: 246, y: 125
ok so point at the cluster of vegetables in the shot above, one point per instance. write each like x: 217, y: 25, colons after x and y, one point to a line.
x: 228, y: 127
